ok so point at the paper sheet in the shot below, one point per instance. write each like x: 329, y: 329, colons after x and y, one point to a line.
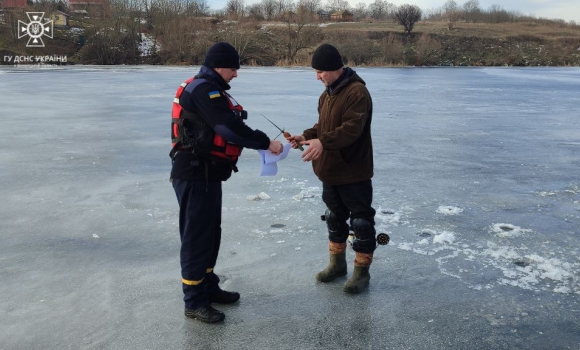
x: 269, y: 160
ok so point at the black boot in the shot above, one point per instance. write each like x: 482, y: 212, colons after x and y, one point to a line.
x: 224, y: 297
x: 205, y: 314
x: 336, y: 268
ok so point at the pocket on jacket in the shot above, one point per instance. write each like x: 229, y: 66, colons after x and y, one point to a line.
x: 331, y: 162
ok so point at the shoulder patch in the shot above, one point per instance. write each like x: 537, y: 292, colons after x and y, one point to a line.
x: 214, y: 94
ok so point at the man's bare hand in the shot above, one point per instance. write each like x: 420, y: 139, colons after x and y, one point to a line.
x: 295, y: 140
x: 313, y: 151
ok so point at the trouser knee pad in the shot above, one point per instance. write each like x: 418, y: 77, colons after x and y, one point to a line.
x: 364, y: 232
x: 337, y: 230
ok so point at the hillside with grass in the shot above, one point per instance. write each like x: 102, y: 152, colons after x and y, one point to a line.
x: 182, y: 38
x: 436, y: 43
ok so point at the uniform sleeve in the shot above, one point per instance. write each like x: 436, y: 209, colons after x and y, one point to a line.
x: 354, y: 119
x: 212, y: 105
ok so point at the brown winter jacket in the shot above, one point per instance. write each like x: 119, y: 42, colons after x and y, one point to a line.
x: 344, y: 129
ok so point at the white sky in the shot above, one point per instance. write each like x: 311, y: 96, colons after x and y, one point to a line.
x: 557, y: 9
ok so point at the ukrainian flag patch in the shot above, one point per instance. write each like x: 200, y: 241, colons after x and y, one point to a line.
x: 214, y: 94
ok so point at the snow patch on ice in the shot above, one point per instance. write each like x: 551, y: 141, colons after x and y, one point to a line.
x: 547, y: 194
x: 444, y: 237
x: 573, y: 189
x: 447, y: 210
x: 501, y: 264
x: 260, y: 196
x: 508, y: 230
x: 406, y: 246
x: 391, y: 217
x: 308, y: 194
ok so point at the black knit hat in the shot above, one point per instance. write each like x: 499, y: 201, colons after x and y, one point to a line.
x: 326, y: 58
x: 222, y: 55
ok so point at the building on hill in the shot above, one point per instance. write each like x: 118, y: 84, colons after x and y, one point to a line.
x: 13, y: 4
x: 323, y: 16
x: 9, y: 8
x: 89, y: 8
x: 79, y: 14
x: 59, y: 19
x: 342, y: 16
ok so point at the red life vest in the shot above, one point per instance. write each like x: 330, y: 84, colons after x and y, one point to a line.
x: 220, y: 148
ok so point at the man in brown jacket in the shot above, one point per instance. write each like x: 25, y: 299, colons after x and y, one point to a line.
x: 341, y: 151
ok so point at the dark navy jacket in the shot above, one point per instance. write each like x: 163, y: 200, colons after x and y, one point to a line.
x: 217, y: 113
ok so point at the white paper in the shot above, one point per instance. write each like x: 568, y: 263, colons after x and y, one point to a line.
x: 269, y: 160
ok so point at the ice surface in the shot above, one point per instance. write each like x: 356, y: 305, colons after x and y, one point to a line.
x: 476, y: 182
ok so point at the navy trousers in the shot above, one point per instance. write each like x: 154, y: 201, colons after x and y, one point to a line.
x: 352, y: 201
x: 200, y: 208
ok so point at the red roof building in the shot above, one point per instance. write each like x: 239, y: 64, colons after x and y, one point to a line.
x: 13, y: 4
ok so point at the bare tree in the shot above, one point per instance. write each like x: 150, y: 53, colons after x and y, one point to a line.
x: 310, y: 5
x: 301, y: 31
x: 281, y: 7
x: 197, y: 7
x: 471, y: 10
x: 268, y: 8
x: 179, y: 36
x: 452, y: 13
x: 360, y: 11
x: 337, y: 5
x: 241, y: 36
x: 497, y: 14
x: 407, y: 15
x: 380, y: 9
x: 256, y: 12
x: 450, y: 6
x: 235, y: 9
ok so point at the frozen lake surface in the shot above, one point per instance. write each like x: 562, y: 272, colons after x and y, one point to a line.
x: 476, y: 181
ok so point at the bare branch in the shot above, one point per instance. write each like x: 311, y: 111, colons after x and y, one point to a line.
x: 407, y: 15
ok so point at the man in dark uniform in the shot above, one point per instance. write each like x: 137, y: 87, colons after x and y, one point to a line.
x: 208, y: 134
x: 341, y: 151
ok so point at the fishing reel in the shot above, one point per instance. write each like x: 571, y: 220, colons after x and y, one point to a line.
x: 382, y: 238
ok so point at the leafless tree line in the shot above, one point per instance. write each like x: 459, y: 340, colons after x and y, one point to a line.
x: 471, y: 11
x: 379, y: 10
x: 271, y: 32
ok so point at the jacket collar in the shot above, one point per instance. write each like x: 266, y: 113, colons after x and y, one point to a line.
x: 345, y: 78
x: 212, y: 76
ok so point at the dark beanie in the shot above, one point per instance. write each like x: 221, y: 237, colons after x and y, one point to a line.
x: 222, y: 55
x: 326, y: 58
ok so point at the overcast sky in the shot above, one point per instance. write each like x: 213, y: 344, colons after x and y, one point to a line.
x: 559, y: 9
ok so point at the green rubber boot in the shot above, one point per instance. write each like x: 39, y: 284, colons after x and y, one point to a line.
x: 336, y: 268
x: 359, y: 280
